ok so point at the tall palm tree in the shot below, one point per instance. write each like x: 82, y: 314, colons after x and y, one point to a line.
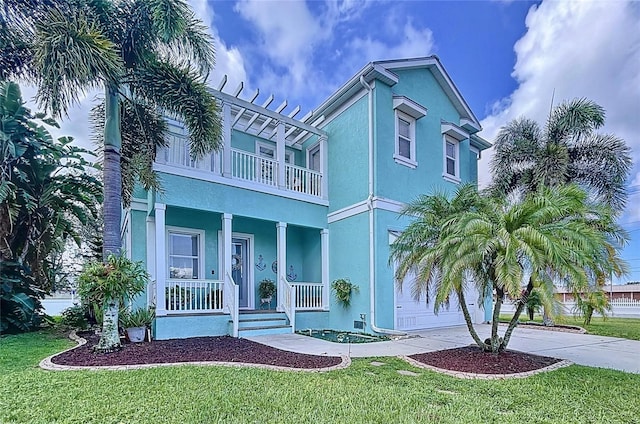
x: 150, y: 57
x: 567, y: 150
x: 497, y: 245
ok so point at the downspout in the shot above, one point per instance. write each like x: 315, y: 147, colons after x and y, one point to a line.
x: 372, y: 257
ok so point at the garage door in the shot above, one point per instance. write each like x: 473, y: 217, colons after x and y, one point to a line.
x: 417, y: 315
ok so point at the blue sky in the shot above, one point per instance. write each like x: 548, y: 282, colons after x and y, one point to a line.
x: 506, y: 57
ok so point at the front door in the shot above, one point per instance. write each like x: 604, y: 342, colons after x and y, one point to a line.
x: 240, y: 269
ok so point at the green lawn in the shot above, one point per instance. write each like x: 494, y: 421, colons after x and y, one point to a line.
x: 627, y: 328
x: 360, y: 394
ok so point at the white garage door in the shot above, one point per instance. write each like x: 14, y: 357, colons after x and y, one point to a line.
x: 417, y: 315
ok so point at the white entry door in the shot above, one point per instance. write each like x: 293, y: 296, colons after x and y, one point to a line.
x: 240, y: 270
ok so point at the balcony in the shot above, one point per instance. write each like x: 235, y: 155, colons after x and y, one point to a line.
x: 269, y: 172
x: 260, y: 172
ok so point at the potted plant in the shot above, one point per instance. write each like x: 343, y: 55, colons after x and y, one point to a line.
x: 342, y: 288
x: 266, y: 290
x: 136, y: 323
x: 110, y: 284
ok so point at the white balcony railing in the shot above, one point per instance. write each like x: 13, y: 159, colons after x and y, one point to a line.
x: 250, y: 167
x: 189, y: 296
x: 309, y: 296
x: 177, y: 153
x: 303, y: 180
x: 244, y: 166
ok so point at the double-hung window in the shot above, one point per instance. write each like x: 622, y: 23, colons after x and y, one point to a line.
x: 405, y: 149
x: 185, y: 259
x: 451, y: 159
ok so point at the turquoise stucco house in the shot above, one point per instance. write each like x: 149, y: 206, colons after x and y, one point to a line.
x: 303, y: 202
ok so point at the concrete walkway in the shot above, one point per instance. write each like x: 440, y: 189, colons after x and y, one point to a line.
x: 583, y: 349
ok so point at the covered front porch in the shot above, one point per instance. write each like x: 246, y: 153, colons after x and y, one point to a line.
x: 207, y: 268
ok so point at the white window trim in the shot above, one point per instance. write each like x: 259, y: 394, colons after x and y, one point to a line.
x: 311, y: 149
x: 273, y: 147
x: 452, y: 178
x: 409, y: 162
x: 201, y: 251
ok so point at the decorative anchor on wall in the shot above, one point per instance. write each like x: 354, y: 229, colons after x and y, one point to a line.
x: 291, y: 275
x: 260, y: 265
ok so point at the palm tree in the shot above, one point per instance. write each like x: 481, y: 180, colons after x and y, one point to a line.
x: 501, y: 246
x: 149, y: 56
x: 567, y: 150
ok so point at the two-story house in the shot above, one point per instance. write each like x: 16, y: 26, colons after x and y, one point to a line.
x: 303, y: 202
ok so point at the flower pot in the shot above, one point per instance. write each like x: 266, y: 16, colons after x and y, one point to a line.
x: 136, y: 334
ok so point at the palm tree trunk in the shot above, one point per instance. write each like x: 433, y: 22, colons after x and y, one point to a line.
x: 467, y: 319
x: 110, y: 338
x: 495, y: 320
x: 112, y: 208
x: 112, y: 175
x: 516, y: 315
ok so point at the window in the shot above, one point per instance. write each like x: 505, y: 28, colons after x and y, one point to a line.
x: 451, y: 160
x: 184, y: 255
x: 405, y: 150
x: 313, y: 162
x: 267, y: 151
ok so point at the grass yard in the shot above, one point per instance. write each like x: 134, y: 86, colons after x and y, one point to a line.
x: 626, y: 328
x: 360, y: 394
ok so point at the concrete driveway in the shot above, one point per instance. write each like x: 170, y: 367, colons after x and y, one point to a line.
x: 583, y: 349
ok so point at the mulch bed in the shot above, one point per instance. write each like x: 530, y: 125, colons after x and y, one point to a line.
x: 198, y: 349
x: 472, y: 359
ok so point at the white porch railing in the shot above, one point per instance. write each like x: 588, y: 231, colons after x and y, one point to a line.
x: 151, y: 293
x: 309, y: 296
x: 231, y: 304
x: 287, y: 301
x: 188, y: 296
x: 250, y: 167
x: 303, y: 180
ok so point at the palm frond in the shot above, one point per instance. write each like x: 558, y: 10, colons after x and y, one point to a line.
x: 183, y: 94
x: 89, y: 60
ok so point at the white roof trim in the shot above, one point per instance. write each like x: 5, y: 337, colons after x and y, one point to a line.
x: 408, y: 106
x: 453, y: 131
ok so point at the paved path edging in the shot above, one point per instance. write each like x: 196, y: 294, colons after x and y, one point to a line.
x: 470, y: 375
x: 48, y: 364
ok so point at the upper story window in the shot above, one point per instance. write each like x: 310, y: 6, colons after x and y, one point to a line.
x: 184, y: 253
x: 405, y: 149
x: 267, y: 151
x: 451, y: 159
x: 313, y: 160
x: 407, y: 112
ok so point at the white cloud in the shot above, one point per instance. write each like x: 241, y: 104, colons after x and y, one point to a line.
x: 229, y: 60
x: 414, y: 42
x: 578, y: 49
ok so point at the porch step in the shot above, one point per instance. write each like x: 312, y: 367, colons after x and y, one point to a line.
x: 261, y: 322
x: 258, y: 323
x: 264, y: 330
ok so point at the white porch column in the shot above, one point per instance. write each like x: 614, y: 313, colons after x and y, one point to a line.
x: 282, y: 257
x: 280, y: 155
x: 324, y: 247
x: 324, y: 167
x: 151, y: 255
x: 226, y: 245
x: 161, y: 258
x: 226, y: 134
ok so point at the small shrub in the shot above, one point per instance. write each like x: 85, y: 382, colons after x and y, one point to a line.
x: 75, y: 317
x: 267, y: 288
